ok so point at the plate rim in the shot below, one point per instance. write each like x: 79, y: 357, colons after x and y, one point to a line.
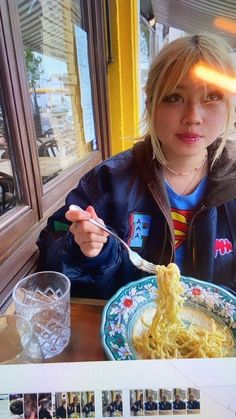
x: 139, y: 281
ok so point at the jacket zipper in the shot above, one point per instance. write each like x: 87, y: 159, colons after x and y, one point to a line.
x: 168, y: 220
x: 164, y: 245
x: 192, y: 232
x: 172, y: 258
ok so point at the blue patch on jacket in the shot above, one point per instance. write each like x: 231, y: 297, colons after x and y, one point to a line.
x: 139, y: 229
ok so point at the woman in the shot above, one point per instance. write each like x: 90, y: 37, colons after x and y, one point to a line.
x: 116, y: 407
x: 171, y: 198
x: 30, y: 406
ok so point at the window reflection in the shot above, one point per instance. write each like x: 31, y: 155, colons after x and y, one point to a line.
x: 148, y: 50
x: 50, y: 43
x: 3, y: 140
x: 7, y: 188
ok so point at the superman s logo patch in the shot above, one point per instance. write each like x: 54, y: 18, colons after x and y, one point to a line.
x: 181, y: 220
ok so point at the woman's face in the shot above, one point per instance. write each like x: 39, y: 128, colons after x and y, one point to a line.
x: 190, y: 118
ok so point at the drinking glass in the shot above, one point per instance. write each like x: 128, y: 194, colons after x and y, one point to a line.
x: 43, y: 298
x: 17, y: 342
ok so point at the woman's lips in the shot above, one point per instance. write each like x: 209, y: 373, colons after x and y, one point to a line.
x: 189, y: 138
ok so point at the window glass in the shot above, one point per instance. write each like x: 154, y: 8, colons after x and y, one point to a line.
x: 56, y: 57
x: 8, y: 198
x: 148, y: 49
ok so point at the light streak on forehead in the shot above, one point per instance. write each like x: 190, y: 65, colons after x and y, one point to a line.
x: 214, y: 77
x: 198, y: 84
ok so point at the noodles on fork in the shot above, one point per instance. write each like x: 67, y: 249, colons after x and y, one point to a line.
x: 168, y: 337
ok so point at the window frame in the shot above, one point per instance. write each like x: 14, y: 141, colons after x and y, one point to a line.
x: 19, y: 228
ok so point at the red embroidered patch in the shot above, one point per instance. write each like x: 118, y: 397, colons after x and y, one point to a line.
x: 223, y: 247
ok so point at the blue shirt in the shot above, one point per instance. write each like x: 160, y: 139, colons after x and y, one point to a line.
x: 182, y: 210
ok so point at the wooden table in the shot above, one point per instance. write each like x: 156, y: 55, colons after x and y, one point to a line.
x: 85, y: 343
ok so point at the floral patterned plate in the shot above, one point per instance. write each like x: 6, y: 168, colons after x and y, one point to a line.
x: 121, y: 315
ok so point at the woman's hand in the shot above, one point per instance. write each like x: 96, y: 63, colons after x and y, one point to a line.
x: 89, y: 237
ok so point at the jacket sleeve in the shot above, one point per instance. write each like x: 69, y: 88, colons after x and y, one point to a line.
x: 90, y: 277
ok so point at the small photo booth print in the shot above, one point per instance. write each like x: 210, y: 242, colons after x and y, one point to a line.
x: 112, y: 404
x: 165, y: 401
x: 16, y: 406
x: 30, y: 406
x: 151, y: 404
x: 59, y: 405
x: 179, y: 401
x: 74, y: 405
x: 45, y: 405
x: 193, y: 401
x: 88, y: 404
x: 137, y: 401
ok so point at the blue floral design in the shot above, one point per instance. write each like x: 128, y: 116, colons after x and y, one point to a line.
x: 124, y: 305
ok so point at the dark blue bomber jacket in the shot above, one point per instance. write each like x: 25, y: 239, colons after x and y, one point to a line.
x: 129, y: 194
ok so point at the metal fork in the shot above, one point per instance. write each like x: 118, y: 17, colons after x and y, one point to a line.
x: 134, y: 257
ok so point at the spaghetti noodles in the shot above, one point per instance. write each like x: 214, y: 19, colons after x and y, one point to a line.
x: 168, y: 337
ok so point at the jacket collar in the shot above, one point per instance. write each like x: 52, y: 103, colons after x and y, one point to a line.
x: 221, y: 186
x: 222, y: 178
x: 152, y: 172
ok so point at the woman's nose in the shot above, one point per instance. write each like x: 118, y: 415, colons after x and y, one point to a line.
x: 192, y: 115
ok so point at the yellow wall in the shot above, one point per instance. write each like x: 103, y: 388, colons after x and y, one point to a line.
x: 123, y: 74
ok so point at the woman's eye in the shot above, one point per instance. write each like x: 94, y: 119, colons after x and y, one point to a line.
x: 174, y: 98
x: 213, y: 97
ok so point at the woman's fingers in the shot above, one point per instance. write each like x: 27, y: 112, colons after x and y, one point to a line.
x: 84, y: 236
x: 93, y: 214
x: 89, y: 237
x: 91, y: 249
x: 74, y: 215
x: 85, y: 227
x: 77, y: 215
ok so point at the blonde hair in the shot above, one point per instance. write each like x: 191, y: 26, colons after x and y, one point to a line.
x: 175, y: 61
